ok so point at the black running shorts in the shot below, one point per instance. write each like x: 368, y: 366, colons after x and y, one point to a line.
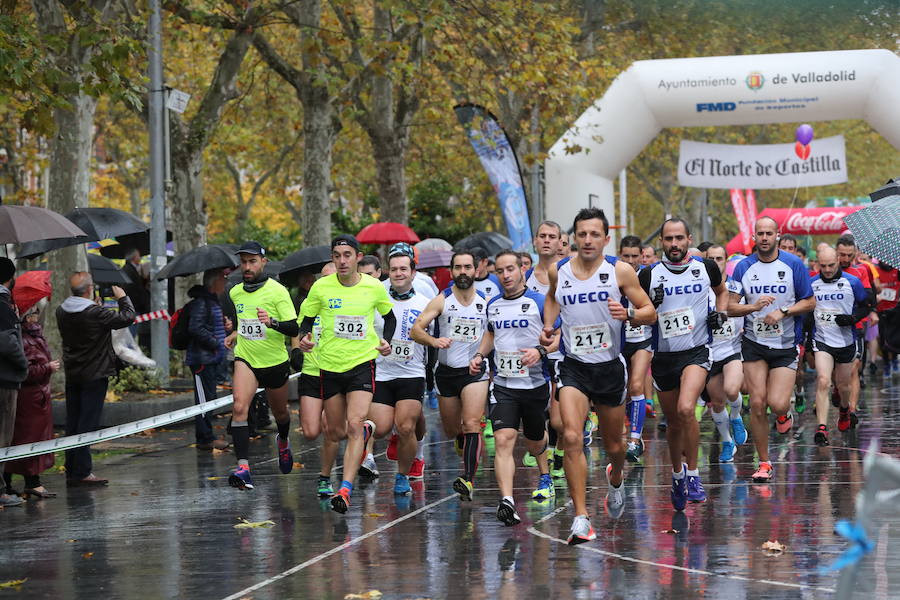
x: 407, y: 388
x: 310, y: 386
x: 603, y: 383
x: 270, y: 378
x: 666, y: 367
x: 774, y: 357
x: 629, y: 348
x: 360, y: 378
x: 844, y: 355
x: 449, y: 382
x: 511, y: 406
x: 718, y: 365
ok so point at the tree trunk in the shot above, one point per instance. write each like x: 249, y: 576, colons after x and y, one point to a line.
x: 389, y: 153
x: 319, y: 134
x: 186, y: 216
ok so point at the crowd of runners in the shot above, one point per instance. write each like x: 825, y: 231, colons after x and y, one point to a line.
x: 576, y: 343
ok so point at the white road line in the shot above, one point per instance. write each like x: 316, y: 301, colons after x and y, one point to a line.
x: 324, y: 555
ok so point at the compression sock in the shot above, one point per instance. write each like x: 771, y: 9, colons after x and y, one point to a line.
x: 240, y: 435
x: 420, y: 450
x: 722, y: 424
x: 636, y: 415
x: 284, y: 429
x: 552, y: 437
x: 471, y: 452
x: 735, y: 407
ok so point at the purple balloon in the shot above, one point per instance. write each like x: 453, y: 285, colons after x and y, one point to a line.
x: 804, y: 134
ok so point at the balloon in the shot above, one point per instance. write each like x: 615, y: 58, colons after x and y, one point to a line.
x: 804, y: 134
x: 802, y: 150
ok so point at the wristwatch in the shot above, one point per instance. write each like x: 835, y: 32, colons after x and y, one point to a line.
x: 541, y: 350
x: 631, y: 312
x: 273, y: 324
x: 784, y: 310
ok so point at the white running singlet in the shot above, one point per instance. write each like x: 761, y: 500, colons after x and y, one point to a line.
x: 464, y: 325
x: 407, y: 358
x: 589, y: 333
x: 516, y: 323
x: 838, y: 297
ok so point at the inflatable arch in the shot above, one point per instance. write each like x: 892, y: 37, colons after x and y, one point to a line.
x: 721, y: 90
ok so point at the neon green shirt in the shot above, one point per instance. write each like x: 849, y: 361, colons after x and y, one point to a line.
x: 347, y: 313
x: 310, y: 364
x: 258, y: 345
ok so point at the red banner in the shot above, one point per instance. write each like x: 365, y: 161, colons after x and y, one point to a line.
x: 750, y: 195
x: 800, y: 221
x: 743, y: 219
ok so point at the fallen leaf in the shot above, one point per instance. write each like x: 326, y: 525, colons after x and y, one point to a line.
x: 218, y: 451
x: 192, y: 445
x: 71, y: 541
x: 245, y: 524
x: 135, y: 494
x: 370, y: 595
x: 298, y: 465
x: 670, y: 531
x: 87, y: 555
x: 214, y: 478
x: 374, y: 515
x: 773, y: 547
x: 13, y: 583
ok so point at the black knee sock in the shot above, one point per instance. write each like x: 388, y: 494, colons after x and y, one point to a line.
x: 551, y: 437
x: 32, y: 481
x: 7, y: 481
x: 240, y: 435
x: 284, y: 429
x: 471, y: 451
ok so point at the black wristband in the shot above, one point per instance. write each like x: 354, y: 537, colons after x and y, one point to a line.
x: 541, y: 350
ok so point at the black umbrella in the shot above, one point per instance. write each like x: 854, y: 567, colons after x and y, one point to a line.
x: 98, y: 223
x: 197, y: 260
x: 27, y: 224
x: 273, y: 268
x: 491, y: 241
x: 309, y: 258
x: 891, y: 188
x: 140, y: 241
x: 104, y: 270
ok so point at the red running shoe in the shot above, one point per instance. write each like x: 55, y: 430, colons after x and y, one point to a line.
x: 844, y: 420
x: 784, y: 424
x: 392, y: 447
x: 417, y: 469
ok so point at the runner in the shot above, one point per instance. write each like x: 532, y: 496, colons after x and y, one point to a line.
x: 776, y: 288
x: 726, y: 377
x: 563, y: 245
x: 461, y: 311
x: 265, y: 319
x: 788, y: 243
x: 485, y: 281
x: 841, y: 302
x: 422, y: 283
x: 345, y: 303
x: 887, y: 301
x: 680, y: 288
x: 587, y: 292
x: 847, y: 258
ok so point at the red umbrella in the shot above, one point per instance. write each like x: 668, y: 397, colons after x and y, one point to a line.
x: 30, y: 287
x: 386, y: 233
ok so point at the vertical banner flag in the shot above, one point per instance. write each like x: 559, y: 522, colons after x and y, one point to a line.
x: 750, y: 196
x: 499, y: 160
x: 742, y: 216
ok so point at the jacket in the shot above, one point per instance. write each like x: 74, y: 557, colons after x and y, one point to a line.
x: 87, y: 343
x: 136, y: 291
x: 206, y: 327
x: 13, y: 364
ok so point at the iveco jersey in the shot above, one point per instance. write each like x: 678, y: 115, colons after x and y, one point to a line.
x: 589, y: 333
x: 407, y: 358
x: 637, y: 333
x: 533, y: 284
x: 516, y: 324
x: 464, y: 325
x: 489, y: 286
x: 838, y: 297
x: 785, y: 279
x: 726, y: 340
x: 681, y: 318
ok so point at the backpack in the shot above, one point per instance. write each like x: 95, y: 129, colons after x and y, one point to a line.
x: 179, y: 336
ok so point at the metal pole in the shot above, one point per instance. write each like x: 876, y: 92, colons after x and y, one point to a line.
x: 159, y: 334
x: 623, y: 199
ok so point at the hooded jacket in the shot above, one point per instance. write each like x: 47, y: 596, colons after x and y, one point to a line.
x: 87, y: 343
x: 13, y: 364
x: 206, y: 328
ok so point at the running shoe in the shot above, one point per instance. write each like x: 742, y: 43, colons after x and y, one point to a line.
x: 727, y: 453
x: 458, y: 445
x: 581, y: 531
x: 663, y: 424
x: 634, y: 450
x: 529, y: 460
x: 556, y: 469
x: 488, y: 428
x: 650, y: 413
x: 800, y: 403
x: 368, y: 467
x: 506, y: 513
x: 240, y: 478
x: 844, y: 420
x: 285, y: 457
x: 401, y: 484
x: 595, y: 420
x: 872, y: 368
x: 464, y: 488
x: 588, y: 436
x: 679, y: 493
x: 695, y: 492
x: 699, y: 411
x: 368, y: 429
x: 615, y: 497
x: 783, y: 424
x: 821, y: 437
x: 738, y: 431
x: 545, y: 489
x: 854, y: 420
x: 392, y: 446
x: 764, y: 473
x: 323, y: 487
x: 340, y: 502
x: 417, y: 469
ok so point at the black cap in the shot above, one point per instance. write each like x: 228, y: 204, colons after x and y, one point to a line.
x: 478, y: 253
x: 345, y: 239
x: 251, y: 247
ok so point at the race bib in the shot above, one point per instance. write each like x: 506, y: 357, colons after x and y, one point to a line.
x: 679, y: 321
x: 401, y: 350
x: 589, y: 339
x: 465, y: 329
x: 825, y: 317
x: 725, y: 333
x: 350, y: 327
x: 765, y: 331
x: 888, y: 294
x: 509, y: 364
x: 316, y: 332
x: 635, y: 333
x: 251, y: 329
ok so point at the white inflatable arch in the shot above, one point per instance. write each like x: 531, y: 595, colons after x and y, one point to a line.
x: 720, y: 90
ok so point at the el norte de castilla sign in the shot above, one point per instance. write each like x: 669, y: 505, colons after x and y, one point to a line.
x: 768, y: 166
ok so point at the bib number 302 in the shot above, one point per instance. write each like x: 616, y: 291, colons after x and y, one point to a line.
x: 350, y: 327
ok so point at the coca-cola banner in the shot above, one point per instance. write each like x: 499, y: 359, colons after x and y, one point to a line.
x: 767, y: 166
x: 801, y: 221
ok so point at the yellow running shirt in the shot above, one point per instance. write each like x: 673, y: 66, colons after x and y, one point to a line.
x: 258, y: 345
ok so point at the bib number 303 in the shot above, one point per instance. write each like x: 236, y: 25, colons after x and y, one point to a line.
x: 252, y: 329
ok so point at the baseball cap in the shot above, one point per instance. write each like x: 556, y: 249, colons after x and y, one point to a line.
x: 345, y: 239
x: 401, y: 249
x: 251, y: 247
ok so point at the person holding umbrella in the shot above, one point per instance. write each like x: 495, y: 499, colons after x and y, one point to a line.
x: 13, y: 364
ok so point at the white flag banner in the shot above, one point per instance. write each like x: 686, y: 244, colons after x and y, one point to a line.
x: 768, y: 166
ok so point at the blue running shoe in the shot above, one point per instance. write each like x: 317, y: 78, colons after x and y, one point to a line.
x: 401, y: 484
x: 285, y: 457
x: 695, y: 491
x: 727, y: 453
x: 545, y: 489
x: 738, y: 431
x: 679, y: 491
x: 240, y: 478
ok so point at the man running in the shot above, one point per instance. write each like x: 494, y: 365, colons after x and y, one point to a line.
x: 847, y: 258
x: 265, y: 319
x: 587, y: 293
x: 776, y: 288
x: 680, y: 287
x: 345, y: 303
x: 841, y: 302
x: 520, y: 392
x: 485, y: 281
x: 462, y: 320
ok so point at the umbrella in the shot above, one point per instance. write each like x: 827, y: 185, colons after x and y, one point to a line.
x: 273, y: 268
x: 877, y: 229
x: 104, y: 270
x: 428, y: 259
x: 197, y: 260
x: 434, y: 244
x: 491, y: 241
x: 23, y: 224
x: 97, y: 222
x: 732, y: 263
x: 386, y: 233
x: 30, y: 287
x: 140, y: 241
x: 891, y: 188
x: 307, y: 259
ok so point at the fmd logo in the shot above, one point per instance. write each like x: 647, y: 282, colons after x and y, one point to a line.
x: 716, y: 106
x: 755, y: 80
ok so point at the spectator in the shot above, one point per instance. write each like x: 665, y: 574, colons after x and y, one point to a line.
x: 139, y: 294
x: 207, y: 327
x: 85, y: 328
x: 34, y: 412
x: 13, y: 364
